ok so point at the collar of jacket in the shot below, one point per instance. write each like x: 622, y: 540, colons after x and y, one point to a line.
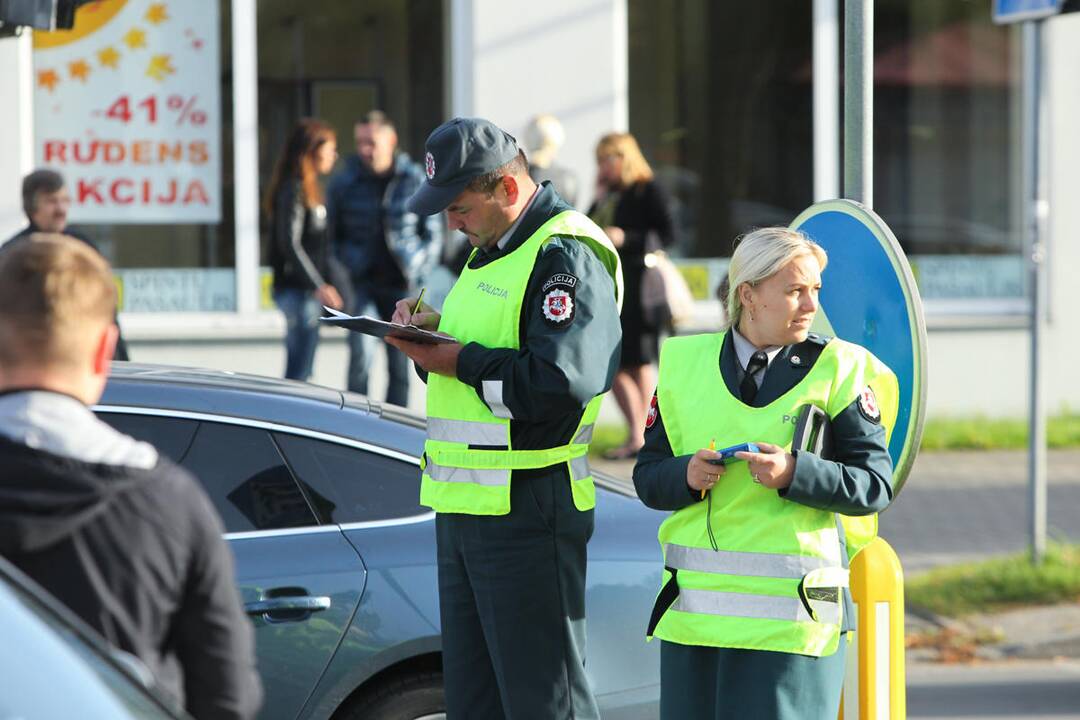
x: 545, y: 205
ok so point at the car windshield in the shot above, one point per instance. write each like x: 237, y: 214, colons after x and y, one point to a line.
x: 50, y: 671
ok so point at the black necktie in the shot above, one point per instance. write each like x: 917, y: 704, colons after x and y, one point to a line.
x: 748, y: 388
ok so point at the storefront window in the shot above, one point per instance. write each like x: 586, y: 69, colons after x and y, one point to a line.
x: 128, y: 106
x: 336, y: 61
x: 135, y: 106
x: 721, y: 101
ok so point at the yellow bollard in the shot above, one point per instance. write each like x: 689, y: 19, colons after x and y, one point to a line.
x: 874, y: 687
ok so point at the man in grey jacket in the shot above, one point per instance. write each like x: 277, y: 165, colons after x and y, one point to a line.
x: 127, y: 540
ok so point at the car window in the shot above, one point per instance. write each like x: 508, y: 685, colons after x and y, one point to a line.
x: 171, y: 436
x: 246, y: 478
x: 349, y: 485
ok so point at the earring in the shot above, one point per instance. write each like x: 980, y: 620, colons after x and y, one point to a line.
x: 751, y: 314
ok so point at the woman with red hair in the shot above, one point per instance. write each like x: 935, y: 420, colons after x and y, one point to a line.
x: 299, y: 248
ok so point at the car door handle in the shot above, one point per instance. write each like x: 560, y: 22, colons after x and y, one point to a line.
x: 300, y: 603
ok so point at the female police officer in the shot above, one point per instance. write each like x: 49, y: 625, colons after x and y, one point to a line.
x: 754, y: 601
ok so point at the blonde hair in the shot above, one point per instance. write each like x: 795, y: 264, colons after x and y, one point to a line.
x: 635, y: 168
x: 761, y: 254
x: 54, y: 290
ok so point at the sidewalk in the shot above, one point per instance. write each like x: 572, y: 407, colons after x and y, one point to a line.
x: 959, y: 506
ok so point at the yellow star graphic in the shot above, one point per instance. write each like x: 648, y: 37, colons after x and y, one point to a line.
x: 135, y: 38
x: 80, y: 69
x: 156, y: 14
x: 48, y: 79
x: 159, y: 67
x: 108, y: 57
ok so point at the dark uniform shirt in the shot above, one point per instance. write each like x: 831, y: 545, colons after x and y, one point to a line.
x: 561, y: 365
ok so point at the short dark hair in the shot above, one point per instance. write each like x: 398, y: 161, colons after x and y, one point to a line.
x: 486, y: 183
x: 39, y: 181
x: 377, y: 118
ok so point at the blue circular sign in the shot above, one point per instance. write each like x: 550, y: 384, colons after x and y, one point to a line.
x: 869, y: 297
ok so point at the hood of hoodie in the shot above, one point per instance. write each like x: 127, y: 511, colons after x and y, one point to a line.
x: 59, y: 468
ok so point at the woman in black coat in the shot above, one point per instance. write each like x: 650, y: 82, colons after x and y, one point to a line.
x: 636, y: 215
x: 299, y: 248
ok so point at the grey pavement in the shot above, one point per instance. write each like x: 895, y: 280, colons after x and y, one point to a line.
x: 1002, y: 691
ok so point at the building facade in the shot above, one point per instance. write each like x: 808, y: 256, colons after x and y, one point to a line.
x: 720, y: 96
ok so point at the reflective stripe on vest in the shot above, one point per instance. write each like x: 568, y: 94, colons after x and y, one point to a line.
x: 477, y: 476
x: 744, y: 605
x: 750, y: 564
x: 470, y: 432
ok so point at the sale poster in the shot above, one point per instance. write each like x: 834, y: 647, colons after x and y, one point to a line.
x: 127, y: 108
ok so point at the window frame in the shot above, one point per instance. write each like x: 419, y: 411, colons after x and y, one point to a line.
x: 273, y: 427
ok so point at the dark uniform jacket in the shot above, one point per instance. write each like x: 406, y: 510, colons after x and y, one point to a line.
x: 560, y: 366
x: 856, y: 481
x: 138, y: 555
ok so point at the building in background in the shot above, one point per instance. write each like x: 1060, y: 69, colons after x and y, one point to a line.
x: 195, y: 97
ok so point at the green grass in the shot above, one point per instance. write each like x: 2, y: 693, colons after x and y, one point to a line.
x: 998, y: 584
x: 979, y: 433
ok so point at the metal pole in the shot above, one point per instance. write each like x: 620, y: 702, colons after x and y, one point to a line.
x: 246, y: 154
x: 826, y: 100
x: 859, y: 101
x: 1030, y: 95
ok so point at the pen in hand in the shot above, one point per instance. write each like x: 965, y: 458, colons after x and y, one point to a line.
x: 712, y: 446
x: 419, y: 299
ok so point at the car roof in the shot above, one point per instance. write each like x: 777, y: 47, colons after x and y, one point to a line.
x: 269, y: 400
x: 223, y: 393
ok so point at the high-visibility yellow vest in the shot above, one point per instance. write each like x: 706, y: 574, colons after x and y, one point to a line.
x: 468, y: 453
x: 770, y: 575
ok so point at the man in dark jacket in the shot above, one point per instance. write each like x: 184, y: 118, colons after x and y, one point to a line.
x: 386, y: 249
x: 127, y: 540
x: 46, y: 202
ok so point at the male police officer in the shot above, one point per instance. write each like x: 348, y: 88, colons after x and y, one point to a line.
x: 511, y: 408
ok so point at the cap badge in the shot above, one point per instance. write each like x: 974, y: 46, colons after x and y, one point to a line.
x: 429, y: 165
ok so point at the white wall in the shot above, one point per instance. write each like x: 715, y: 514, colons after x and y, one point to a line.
x: 512, y: 60
x: 1062, y: 349
x: 16, y: 129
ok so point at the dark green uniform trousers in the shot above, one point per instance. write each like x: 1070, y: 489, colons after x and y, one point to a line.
x: 706, y: 683
x: 512, y: 603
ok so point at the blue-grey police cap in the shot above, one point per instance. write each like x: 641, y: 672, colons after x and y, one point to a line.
x: 458, y: 151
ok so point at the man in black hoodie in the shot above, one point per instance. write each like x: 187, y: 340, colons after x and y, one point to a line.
x: 127, y: 540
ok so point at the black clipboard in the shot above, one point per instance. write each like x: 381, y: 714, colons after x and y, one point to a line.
x: 382, y: 328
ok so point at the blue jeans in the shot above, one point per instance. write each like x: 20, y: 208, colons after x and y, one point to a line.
x: 302, y: 313
x: 377, y: 301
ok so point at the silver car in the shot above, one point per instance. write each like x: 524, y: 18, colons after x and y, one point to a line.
x: 336, y: 565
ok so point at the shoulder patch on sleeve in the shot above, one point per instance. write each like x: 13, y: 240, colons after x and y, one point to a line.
x: 868, y: 405
x: 558, y: 305
x: 654, y: 412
